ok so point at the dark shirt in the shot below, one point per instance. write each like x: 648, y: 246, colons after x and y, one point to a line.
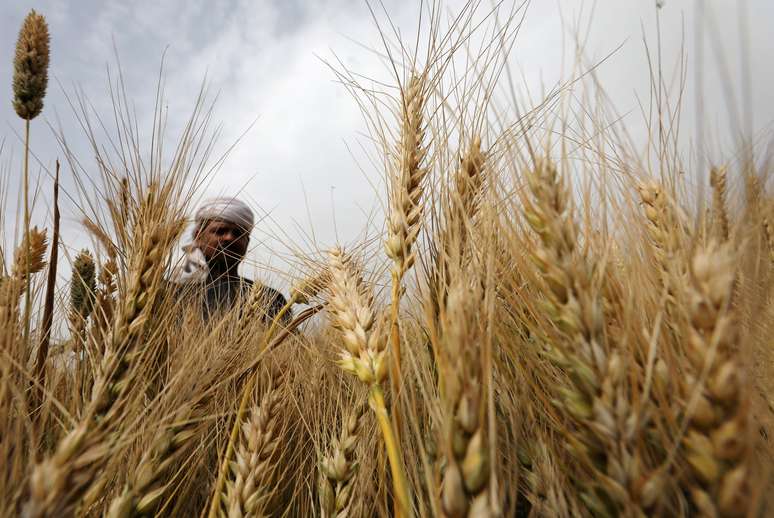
x: 226, y: 292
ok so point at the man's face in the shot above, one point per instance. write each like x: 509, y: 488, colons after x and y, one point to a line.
x: 223, y: 243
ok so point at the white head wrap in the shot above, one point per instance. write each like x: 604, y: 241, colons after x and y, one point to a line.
x: 193, y: 267
x: 226, y: 209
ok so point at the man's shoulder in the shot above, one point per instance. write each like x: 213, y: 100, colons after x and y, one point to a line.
x: 270, y: 293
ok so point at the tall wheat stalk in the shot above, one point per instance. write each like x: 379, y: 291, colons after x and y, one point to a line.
x: 254, y: 471
x: 365, y: 356
x: 464, y: 489
x: 30, y: 80
x: 405, y: 211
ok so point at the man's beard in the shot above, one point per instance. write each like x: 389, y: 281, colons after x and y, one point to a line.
x: 224, y: 260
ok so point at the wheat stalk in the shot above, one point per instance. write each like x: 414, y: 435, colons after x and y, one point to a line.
x: 365, y: 356
x: 36, y: 395
x: 30, y: 80
x: 405, y: 212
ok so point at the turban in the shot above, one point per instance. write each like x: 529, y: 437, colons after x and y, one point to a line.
x: 226, y: 209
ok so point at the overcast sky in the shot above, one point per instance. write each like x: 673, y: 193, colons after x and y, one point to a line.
x: 263, y: 60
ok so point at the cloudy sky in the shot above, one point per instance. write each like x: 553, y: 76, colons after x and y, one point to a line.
x: 264, y: 59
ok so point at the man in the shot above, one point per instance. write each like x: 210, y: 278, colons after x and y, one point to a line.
x: 220, y: 239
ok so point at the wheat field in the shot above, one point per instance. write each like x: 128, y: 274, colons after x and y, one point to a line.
x: 550, y: 324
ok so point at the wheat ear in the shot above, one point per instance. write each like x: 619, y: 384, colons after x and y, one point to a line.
x: 30, y: 67
x: 146, y: 487
x: 33, y: 247
x: 407, y: 182
x: 465, y: 484
x: 29, y: 259
x: 664, y: 226
x: 253, y: 470
x: 309, y: 287
x: 717, y: 440
x: 83, y: 288
x: 718, y: 181
x: 605, y: 425
x: 338, y: 468
x: 104, y: 307
x: 768, y: 230
x: 458, y: 211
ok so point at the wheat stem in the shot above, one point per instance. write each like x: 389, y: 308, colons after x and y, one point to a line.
x: 400, y: 485
x: 26, y: 228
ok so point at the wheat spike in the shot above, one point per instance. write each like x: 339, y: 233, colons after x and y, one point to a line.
x: 596, y: 400
x: 465, y: 483
x: 407, y: 184
x: 12, y: 286
x: 30, y: 67
x: 716, y: 443
x: 351, y: 308
x: 470, y: 178
x: 338, y: 468
x: 309, y: 287
x: 457, y: 214
x: 768, y: 230
x: 365, y: 355
x: 83, y: 286
x: 104, y: 306
x: 718, y: 182
x: 35, y: 246
x: 253, y: 470
x: 146, y: 487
